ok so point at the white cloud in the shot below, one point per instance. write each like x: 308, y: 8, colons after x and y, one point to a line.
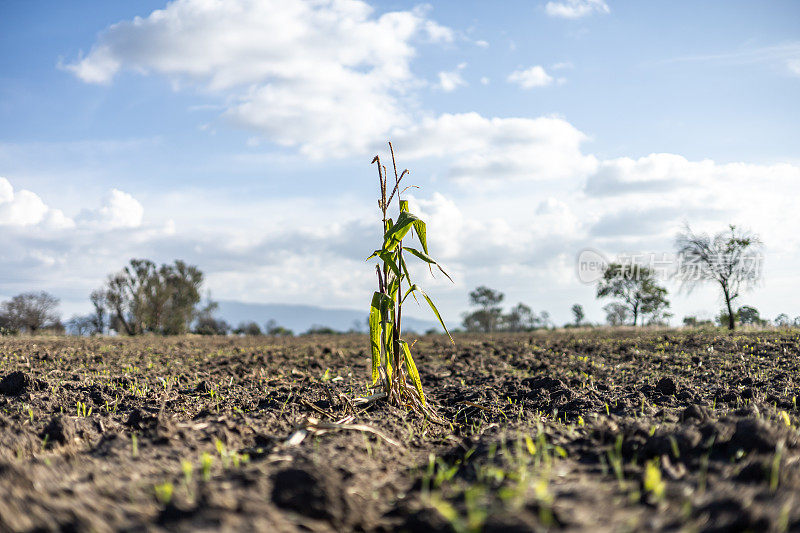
x: 481, y: 43
x: 327, y: 77
x: 665, y: 189
x: 531, y: 77
x: 451, y: 80
x: 498, y: 149
x: 121, y: 210
x: 485, y: 80
x: 25, y: 208
x: 794, y: 66
x: 573, y: 9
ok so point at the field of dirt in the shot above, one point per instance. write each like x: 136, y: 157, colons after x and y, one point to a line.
x: 574, y: 430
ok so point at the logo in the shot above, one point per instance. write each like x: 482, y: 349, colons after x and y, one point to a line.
x: 591, y: 265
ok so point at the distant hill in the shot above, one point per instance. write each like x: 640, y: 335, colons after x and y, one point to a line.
x: 299, y: 318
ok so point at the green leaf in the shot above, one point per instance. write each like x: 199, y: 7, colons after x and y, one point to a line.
x: 387, y: 259
x: 405, y: 270
x: 421, y: 231
x: 425, y: 257
x: 375, y: 333
x: 396, y: 232
x: 436, y: 312
x: 412, y: 371
x: 387, y: 343
x: 403, y: 205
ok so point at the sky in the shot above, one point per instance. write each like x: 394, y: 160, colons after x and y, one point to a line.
x: 238, y: 134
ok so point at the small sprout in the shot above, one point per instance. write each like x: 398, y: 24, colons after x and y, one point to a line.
x: 134, y: 445
x: 188, y: 469
x: 784, y: 416
x: 653, y: 484
x: 530, y: 445
x: 164, y: 492
x: 206, y: 460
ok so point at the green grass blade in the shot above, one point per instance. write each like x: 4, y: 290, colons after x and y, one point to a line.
x: 412, y: 371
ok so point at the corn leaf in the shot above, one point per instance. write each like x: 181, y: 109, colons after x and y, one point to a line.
x: 421, y: 231
x: 435, y: 312
x: 387, y: 344
x: 425, y: 257
x: 375, y: 333
x: 397, y: 231
x: 412, y: 371
x: 403, y: 205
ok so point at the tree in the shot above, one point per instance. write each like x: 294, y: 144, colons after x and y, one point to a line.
x: 616, y: 314
x: 276, y: 330
x: 99, y: 317
x: 146, y: 298
x: 81, y: 325
x: 578, y: 314
x: 30, y: 312
x: 732, y: 259
x: 208, y: 325
x: 750, y: 315
x: 636, y: 287
x: 783, y: 320
x: 247, y: 328
x: 693, y: 322
x: 520, y: 318
x: 487, y: 318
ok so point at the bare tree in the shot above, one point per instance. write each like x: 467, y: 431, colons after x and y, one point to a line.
x: 31, y: 311
x: 731, y: 258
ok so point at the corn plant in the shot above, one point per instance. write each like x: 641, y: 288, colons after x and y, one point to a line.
x: 392, y: 363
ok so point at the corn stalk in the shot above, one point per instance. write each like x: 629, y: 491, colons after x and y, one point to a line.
x: 392, y: 363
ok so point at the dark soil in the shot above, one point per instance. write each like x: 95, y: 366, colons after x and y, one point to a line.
x: 582, y: 430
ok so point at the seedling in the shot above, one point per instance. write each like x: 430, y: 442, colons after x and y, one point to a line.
x: 392, y: 364
x: 206, y: 460
x: 164, y: 492
x: 653, y: 484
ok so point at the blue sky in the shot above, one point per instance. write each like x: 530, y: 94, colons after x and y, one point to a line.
x: 238, y: 135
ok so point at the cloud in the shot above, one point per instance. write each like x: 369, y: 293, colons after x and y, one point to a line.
x: 652, y: 194
x: 573, y: 9
x: 327, y: 77
x: 794, y: 66
x: 498, y: 149
x: 449, y: 81
x: 531, y: 77
x: 25, y: 208
x: 119, y: 210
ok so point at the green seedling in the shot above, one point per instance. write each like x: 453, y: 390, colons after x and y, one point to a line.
x: 392, y: 364
x: 653, y: 483
x: 206, y: 460
x: 164, y: 492
x: 82, y: 411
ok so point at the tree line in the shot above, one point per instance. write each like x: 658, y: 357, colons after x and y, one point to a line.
x: 146, y: 298
x: 727, y: 259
